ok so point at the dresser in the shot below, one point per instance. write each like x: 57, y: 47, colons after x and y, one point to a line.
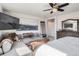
x: 63, y: 33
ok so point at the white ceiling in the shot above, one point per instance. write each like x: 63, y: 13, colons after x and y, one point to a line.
x: 36, y: 9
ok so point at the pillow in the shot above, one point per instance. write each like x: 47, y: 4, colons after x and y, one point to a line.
x: 6, y: 45
x: 1, y: 52
x: 20, y: 36
x: 17, y: 38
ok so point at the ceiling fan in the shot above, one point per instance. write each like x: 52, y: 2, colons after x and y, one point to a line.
x: 56, y: 7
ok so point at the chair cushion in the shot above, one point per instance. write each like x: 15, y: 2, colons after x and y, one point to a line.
x: 6, y: 45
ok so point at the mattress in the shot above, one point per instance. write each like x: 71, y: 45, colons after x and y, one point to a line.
x: 66, y: 46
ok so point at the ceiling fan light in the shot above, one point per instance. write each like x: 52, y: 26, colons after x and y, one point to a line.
x: 54, y: 10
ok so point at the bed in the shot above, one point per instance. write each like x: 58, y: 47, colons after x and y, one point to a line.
x: 66, y: 46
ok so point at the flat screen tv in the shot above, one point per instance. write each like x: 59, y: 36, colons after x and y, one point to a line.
x: 8, y: 22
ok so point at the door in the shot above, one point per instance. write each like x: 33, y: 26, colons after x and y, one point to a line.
x: 51, y: 28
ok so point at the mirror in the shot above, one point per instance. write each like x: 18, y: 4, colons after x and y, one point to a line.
x: 70, y: 24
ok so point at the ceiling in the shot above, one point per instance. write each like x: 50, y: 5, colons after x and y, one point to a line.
x: 36, y: 9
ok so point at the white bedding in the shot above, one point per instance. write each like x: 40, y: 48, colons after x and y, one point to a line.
x: 66, y: 46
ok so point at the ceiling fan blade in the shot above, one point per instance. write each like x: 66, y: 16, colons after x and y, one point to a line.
x: 51, y: 4
x: 60, y: 10
x: 63, y: 5
x: 51, y: 12
x: 47, y: 10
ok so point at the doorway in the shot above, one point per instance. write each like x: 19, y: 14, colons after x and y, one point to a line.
x: 51, y: 28
x: 43, y: 28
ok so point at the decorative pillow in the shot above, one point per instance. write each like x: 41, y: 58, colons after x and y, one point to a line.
x: 7, y: 45
x: 20, y: 36
x: 17, y: 38
x: 1, y: 52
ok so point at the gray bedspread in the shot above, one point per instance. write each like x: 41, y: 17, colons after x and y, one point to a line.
x: 67, y: 45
